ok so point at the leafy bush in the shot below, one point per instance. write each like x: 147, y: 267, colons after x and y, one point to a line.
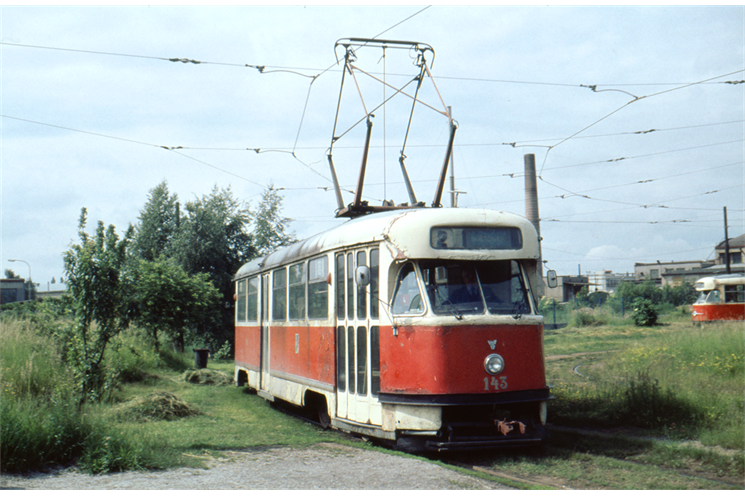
x: 224, y: 353
x: 131, y: 357
x: 645, y: 313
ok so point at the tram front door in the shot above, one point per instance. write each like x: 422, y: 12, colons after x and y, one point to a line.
x: 357, y: 343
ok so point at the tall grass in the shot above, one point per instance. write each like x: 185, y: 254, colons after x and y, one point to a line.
x: 685, y: 381
x: 40, y: 420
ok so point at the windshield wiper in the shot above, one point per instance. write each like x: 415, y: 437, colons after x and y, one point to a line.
x: 439, y: 302
x: 518, y: 310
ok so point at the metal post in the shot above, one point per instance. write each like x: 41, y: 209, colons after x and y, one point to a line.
x: 452, y: 169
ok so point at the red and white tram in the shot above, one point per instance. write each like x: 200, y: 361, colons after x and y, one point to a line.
x: 417, y: 327
x: 722, y: 298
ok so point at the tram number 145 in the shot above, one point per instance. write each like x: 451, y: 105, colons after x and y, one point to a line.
x: 495, y: 383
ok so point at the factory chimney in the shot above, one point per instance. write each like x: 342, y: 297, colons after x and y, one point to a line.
x: 531, y: 205
x: 531, y: 193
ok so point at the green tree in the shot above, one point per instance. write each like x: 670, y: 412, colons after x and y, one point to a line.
x: 96, y: 281
x: 170, y: 300
x: 270, y: 228
x: 683, y: 294
x: 159, y: 220
x: 214, y: 239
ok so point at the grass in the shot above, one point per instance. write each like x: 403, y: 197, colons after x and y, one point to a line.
x: 679, y: 380
x: 666, y: 403
x: 231, y: 419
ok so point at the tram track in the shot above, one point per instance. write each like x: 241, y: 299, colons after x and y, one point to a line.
x: 533, y: 481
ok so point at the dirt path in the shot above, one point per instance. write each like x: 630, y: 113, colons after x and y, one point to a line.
x: 326, y: 466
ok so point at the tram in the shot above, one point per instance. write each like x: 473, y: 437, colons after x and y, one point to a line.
x: 722, y: 297
x: 418, y: 327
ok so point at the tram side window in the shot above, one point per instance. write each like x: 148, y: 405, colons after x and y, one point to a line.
x: 350, y: 286
x: 407, y: 299
x: 361, y: 292
x: 297, y: 291
x: 350, y: 358
x: 341, y: 358
x: 279, y: 295
x: 340, y: 288
x: 362, y: 361
x: 714, y: 297
x: 252, y: 310
x: 240, y: 309
x: 375, y: 360
x: 374, y: 282
x: 734, y: 293
x: 318, y: 288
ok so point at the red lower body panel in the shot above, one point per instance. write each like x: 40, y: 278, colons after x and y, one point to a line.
x: 424, y: 360
x: 719, y: 311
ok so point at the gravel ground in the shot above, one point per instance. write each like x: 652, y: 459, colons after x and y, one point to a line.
x: 326, y: 466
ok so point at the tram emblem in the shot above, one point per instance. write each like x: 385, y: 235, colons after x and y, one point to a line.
x: 492, y: 344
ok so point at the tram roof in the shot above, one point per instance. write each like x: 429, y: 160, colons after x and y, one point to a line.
x: 711, y: 282
x: 406, y: 234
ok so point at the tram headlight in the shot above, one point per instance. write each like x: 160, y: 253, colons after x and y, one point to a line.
x: 494, y: 364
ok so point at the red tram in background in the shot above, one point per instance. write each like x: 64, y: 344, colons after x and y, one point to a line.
x: 722, y: 298
x: 418, y: 327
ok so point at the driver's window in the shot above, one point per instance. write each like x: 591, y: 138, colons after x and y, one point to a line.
x: 714, y: 297
x: 407, y: 299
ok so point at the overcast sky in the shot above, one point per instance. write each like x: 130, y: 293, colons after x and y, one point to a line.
x: 634, y: 114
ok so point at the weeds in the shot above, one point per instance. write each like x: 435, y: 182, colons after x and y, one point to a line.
x: 41, y: 420
x: 686, y: 382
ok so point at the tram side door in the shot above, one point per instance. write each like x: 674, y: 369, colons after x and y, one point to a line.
x: 357, y: 353
x: 265, y: 331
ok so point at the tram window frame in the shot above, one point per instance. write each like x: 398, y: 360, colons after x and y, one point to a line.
x: 279, y: 295
x: 350, y: 286
x: 476, y: 238
x: 502, y: 284
x: 240, y: 305
x: 318, y: 288
x: 296, y: 291
x: 361, y: 291
x: 362, y: 369
x: 341, y: 289
x: 252, y: 299
x: 714, y: 296
x: 734, y: 293
x: 375, y: 283
x: 404, y: 304
x: 351, y: 358
x: 374, y: 360
x: 341, y: 359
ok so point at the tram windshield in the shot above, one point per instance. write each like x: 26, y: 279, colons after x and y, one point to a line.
x: 712, y: 296
x: 467, y: 288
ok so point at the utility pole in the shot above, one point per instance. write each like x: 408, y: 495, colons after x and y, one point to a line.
x: 452, y: 168
x: 726, y: 243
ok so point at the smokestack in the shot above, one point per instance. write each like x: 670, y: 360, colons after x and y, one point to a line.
x: 531, y: 193
x: 531, y: 211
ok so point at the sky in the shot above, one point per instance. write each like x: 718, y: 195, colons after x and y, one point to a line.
x: 635, y: 116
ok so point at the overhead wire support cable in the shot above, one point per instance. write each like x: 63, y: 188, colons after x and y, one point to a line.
x: 173, y: 149
x: 636, y: 99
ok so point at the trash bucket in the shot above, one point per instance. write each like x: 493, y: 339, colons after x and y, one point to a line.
x: 201, y: 355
